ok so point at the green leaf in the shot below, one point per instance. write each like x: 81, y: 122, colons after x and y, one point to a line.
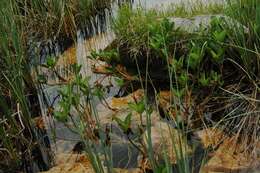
x: 161, y: 169
x: 183, y: 79
x: 215, y: 78
x: 220, y: 35
x: 98, y: 91
x: 65, y: 105
x: 196, y: 55
x: 50, y: 62
x: 42, y: 79
x: 217, y: 56
x: 119, y: 82
x: 76, y: 100
x: 61, y: 116
x: 194, y: 60
x: 258, y: 16
x: 110, y: 56
x: 76, y: 68
x: 138, y: 107
x: 128, y: 120
x: 177, y: 65
x: 124, y: 125
x: 203, y: 80
x: 119, y: 122
x: 179, y: 92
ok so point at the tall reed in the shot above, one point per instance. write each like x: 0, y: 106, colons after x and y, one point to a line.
x: 58, y: 18
x: 18, y: 139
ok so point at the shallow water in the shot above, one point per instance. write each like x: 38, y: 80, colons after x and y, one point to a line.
x: 97, y: 36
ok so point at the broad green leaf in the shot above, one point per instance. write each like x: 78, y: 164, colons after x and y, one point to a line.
x: 220, y: 36
x: 138, y: 107
x: 121, y: 124
x: 203, y: 80
x: 50, y: 62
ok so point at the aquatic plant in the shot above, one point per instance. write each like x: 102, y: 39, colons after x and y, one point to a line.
x: 58, y: 18
x: 76, y: 105
x: 244, y: 42
x: 19, y: 140
x: 213, y: 70
x: 207, y: 60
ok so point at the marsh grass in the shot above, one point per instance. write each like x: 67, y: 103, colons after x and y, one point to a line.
x: 223, y: 63
x: 58, y: 18
x: 131, y: 27
x: 134, y: 27
x: 246, y: 12
x: 242, y: 114
x: 18, y: 139
x: 146, y: 31
x: 193, y: 8
x: 196, y: 66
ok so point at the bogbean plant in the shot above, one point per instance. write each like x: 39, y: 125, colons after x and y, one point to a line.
x: 206, y: 56
x: 76, y: 105
x: 192, y: 58
x: 194, y: 61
